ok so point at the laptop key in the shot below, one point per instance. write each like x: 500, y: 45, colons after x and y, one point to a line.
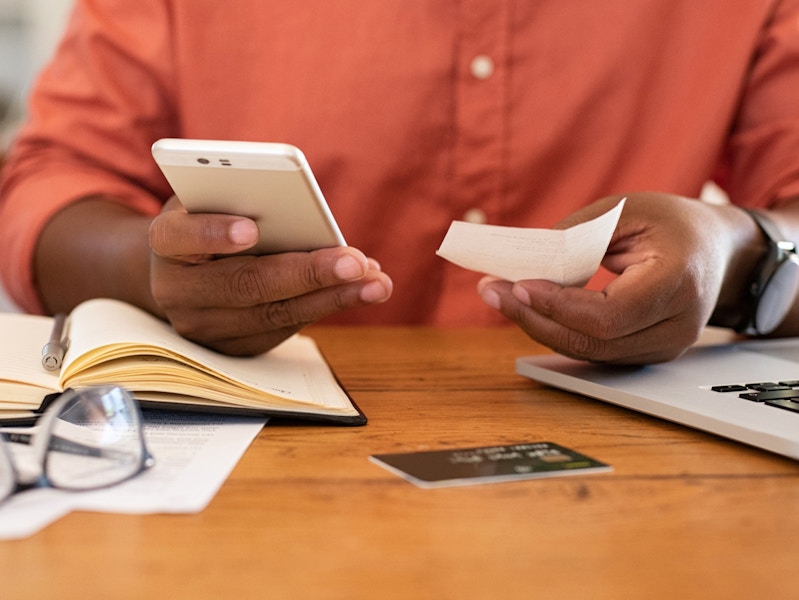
x: 771, y: 395
x: 729, y: 388
x: 767, y: 386
x: 786, y: 404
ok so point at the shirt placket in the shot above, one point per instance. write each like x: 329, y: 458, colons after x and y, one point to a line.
x: 480, y: 135
x: 481, y: 107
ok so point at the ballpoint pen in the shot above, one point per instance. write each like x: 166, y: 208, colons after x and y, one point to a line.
x: 54, y: 350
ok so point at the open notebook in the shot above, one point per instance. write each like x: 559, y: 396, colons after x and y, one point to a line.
x: 741, y: 391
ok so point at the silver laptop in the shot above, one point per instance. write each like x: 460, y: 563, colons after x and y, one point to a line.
x: 742, y: 391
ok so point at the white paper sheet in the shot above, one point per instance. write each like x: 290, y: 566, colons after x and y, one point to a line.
x: 194, y: 455
x: 568, y: 257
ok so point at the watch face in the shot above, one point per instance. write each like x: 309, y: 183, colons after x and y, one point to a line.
x: 778, y: 296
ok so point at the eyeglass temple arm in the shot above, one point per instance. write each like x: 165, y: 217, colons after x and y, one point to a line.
x: 64, y: 445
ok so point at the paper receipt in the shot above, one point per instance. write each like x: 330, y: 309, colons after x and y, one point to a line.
x: 568, y: 257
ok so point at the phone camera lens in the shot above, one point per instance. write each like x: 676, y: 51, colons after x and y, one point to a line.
x: 203, y: 161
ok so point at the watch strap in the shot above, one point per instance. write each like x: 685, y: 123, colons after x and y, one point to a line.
x: 767, y: 226
x: 741, y: 317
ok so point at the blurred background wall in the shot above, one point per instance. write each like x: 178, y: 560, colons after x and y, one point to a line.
x: 29, y: 32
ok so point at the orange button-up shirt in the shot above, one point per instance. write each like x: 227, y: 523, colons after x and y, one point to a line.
x: 414, y: 113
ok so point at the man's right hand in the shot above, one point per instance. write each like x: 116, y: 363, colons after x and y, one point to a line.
x: 241, y: 304
x: 175, y: 266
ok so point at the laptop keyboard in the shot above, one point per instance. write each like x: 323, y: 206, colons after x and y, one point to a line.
x: 781, y: 394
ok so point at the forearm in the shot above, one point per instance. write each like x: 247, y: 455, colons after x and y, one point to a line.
x: 94, y: 248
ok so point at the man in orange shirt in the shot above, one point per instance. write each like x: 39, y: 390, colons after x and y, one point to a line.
x: 413, y: 113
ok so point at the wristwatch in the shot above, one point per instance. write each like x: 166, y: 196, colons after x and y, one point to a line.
x: 774, y: 286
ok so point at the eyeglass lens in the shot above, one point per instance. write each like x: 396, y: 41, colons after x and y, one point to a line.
x: 95, y: 440
x: 7, y: 473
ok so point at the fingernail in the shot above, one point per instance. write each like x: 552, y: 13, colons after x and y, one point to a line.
x: 490, y: 297
x: 348, y: 268
x: 243, y: 233
x: 521, y: 294
x: 374, y: 292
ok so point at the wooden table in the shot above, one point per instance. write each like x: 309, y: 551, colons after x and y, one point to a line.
x: 306, y: 515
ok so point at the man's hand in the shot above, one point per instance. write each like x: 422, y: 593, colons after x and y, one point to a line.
x: 244, y: 305
x: 176, y: 266
x: 673, y: 257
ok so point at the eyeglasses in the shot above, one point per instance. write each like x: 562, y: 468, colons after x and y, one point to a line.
x: 87, y: 439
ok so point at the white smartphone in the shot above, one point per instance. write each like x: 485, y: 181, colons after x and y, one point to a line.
x: 269, y: 183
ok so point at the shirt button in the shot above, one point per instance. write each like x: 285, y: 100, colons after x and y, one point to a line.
x: 482, y: 67
x: 475, y: 215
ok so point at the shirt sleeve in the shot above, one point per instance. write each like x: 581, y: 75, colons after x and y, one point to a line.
x: 760, y: 166
x: 87, y: 131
